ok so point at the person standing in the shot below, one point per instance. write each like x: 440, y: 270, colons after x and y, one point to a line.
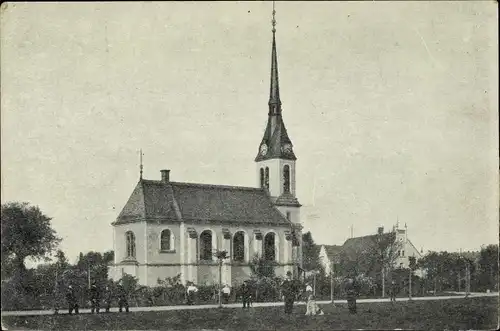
x: 72, y: 300
x: 108, y: 295
x: 289, y: 292
x: 122, y: 298
x: 226, y: 292
x: 94, y: 298
x: 393, y: 291
x: 352, y: 293
x: 245, y: 294
x: 191, y: 293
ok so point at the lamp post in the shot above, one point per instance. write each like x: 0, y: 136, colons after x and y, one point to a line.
x: 411, y: 265
x: 332, y: 285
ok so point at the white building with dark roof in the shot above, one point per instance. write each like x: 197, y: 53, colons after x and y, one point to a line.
x: 404, y: 248
x: 168, y: 228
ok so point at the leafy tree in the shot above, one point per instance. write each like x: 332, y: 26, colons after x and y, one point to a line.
x: 488, y: 268
x: 310, y: 253
x: 262, y: 268
x: 97, y: 264
x: 371, y: 256
x: 61, y: 260
x: 26, y: 233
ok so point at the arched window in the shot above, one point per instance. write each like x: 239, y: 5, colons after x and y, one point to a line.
x: 166, y: 240
x: 270, y: 247
x: 286, y: 179
x: 267, y: 178
x: 206, y: 245
x: 239, y: 246
x: 262, y: 178
x: 130, y: 238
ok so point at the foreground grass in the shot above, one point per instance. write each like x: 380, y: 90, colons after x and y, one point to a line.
x: 457, y: 314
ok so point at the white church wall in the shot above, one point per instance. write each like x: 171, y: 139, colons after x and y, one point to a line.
x: 155, y: 272
x: 139, y: 230
x: 250, y: 240
x: 155, y: 255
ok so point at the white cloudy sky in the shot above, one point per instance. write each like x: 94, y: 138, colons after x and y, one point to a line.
x: 392, y: 109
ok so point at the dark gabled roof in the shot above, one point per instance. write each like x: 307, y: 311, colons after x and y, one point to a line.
x: 361, y: 244
x: 332, y: 251
x: 200, y: 202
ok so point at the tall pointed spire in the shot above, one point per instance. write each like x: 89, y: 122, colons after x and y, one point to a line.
x: 274, y: 94
x: 275, y: 143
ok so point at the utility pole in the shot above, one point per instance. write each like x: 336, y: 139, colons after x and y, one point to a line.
x: 220, y: 283
x: 467, y: 280
x: 331, y: 282
x: 88, y: 275
x: 314, y: 283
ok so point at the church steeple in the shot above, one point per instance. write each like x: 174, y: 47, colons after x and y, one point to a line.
x: 274, y: 94
x: 275, y: 144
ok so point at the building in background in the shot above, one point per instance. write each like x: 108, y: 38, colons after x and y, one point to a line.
x: 403, y: 248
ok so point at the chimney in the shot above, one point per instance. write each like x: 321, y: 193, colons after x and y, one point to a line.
x: 380, y: 230
x: 165, y: 176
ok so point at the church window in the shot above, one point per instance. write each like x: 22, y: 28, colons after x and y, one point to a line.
x: 270, y: 247
x: 206, y: 245
x: 262, y: 182
x: 166, y: 240
x: 239, y: 246
x: 130, y: 238
x: 288, y: 215
x: 266, y: 183
x: 403, y: 253
x: 286, y: 179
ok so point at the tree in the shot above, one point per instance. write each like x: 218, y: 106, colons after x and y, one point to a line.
x: 221, y: 256
x: 61, y: 260
x: 262, y: 268
x: 488, y: 267
x: 26, y: 233
x: 374, y: 256
x: 95, y: 266
x: 310, y: 253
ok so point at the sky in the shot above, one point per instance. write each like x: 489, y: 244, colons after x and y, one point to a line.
x: 392, y: 108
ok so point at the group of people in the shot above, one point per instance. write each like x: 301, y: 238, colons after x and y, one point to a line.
x: 291, y: 291
x: 95, y: 297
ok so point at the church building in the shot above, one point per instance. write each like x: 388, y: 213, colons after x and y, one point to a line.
x: 168, y: 228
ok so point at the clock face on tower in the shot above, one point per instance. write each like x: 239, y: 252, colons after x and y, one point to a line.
x: 287, y: 148
x: 263, y: 149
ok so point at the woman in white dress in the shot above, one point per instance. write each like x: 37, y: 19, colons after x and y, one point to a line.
x: 311, y: 306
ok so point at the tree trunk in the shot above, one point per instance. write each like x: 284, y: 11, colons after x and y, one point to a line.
x: 383, y: 282
x: 409, y: 286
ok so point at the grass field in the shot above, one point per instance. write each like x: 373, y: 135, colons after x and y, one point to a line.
x: 457, y: 314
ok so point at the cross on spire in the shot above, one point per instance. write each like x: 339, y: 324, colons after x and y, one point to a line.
x: 140, y: 162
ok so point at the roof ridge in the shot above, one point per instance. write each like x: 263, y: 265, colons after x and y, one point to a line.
x: 248, y: 188
x: 227, y: 187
